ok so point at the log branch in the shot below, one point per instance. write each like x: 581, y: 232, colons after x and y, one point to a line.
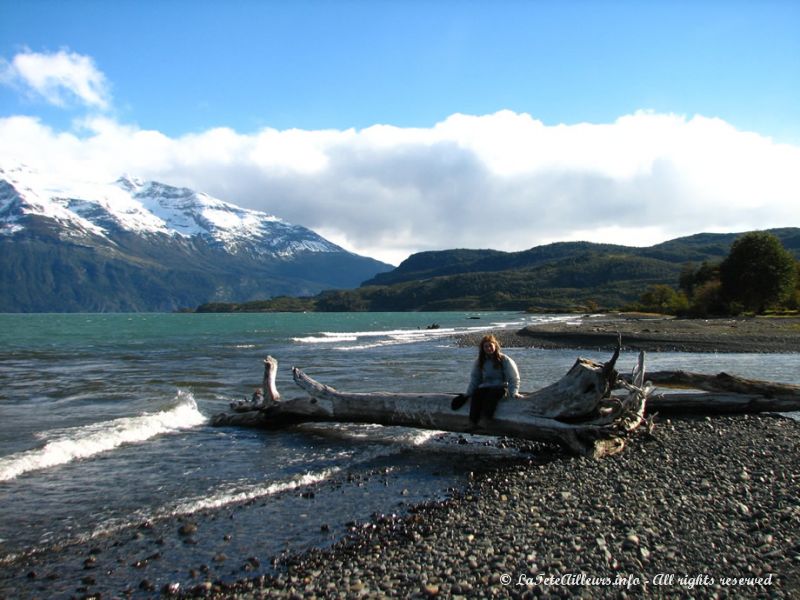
x: 270, y: 373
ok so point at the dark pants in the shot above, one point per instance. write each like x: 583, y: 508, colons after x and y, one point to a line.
x: 484, y: 402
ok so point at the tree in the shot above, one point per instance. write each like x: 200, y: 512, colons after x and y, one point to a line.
x: 663, y: 299
x: 707, y: 300
x: 758, y: 272
x: 691, y: 278
x: 793, y: 303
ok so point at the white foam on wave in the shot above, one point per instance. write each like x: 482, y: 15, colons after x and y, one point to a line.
x: 326, y: 338
x: 382, y: 442
x: 378, y: 338
x: 365, y: 340
x: 66, y: 445
x: 251, y: 492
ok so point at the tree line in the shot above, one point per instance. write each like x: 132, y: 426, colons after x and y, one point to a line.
x: 757, y: 276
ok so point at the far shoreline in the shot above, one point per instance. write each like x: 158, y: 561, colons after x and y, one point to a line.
x: 654, y: 333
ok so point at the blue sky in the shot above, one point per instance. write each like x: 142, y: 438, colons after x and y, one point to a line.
x: 180, y: 66
x: 179, y: 70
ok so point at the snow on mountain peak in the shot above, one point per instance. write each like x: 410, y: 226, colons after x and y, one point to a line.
x: 149, y: 207
x: 31, y: 194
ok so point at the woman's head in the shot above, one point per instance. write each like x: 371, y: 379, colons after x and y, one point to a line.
x: 489, y: 348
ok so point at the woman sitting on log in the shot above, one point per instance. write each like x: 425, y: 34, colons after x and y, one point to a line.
x: 494, y: 376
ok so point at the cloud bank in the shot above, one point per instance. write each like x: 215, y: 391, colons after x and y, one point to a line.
x: 505, y: 180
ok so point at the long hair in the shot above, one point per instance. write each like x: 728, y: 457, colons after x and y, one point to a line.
x: 482, y: 356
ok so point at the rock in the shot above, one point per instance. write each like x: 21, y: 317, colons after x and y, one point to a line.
x: 431, y: 590
x: 187, y: 529
x: 171, y: 589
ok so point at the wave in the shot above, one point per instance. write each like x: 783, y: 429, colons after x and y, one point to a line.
x: 66, y: 445
x: 253, y: 492
x: 349, y: 340
x: 237, y: 493
x: 385, y: 444
x: 364, y: 340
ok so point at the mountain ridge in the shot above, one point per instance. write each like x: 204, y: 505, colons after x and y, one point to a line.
x: 562, y: 276
x: 559, y: 277
x: 132, y: 245
x: 439, y: 263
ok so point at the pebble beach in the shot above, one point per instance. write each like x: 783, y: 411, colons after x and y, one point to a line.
x: 703, y: 508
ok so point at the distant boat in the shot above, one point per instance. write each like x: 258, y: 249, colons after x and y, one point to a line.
x: 473, y: 317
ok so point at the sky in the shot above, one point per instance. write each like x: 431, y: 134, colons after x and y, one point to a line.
x: 393, y: 127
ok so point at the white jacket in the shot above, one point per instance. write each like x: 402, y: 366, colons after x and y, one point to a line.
x: 493, y: 374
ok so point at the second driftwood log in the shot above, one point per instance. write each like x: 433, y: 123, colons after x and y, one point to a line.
x: 720, y: 394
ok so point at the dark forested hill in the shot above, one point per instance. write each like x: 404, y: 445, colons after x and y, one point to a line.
x: 555, y: 277
x: 695, y: 248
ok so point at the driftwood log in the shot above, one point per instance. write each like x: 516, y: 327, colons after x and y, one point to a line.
x: 720, y: 394
x: 580, y: 411
x: 590, y: 410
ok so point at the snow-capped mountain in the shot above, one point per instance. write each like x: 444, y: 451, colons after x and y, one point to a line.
x: 144, y: 208
x: 192, y: 248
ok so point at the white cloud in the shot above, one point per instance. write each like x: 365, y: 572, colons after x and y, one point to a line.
x: 60, y: 78
x: 504, y: 181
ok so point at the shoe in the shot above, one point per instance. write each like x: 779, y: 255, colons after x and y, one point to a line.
x: 459, y: 401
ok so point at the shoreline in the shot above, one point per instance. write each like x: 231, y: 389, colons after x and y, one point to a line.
x: 655, y: 333
x: 700, y: 506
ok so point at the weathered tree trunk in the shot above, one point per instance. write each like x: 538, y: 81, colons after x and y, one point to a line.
x: 577, y: 411
x: 722, y: 393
